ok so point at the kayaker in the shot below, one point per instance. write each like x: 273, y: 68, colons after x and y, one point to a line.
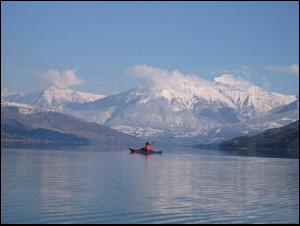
x: 148, y: 147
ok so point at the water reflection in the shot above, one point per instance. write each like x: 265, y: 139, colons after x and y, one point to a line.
x: 95, y: 185
x: 230, y: 188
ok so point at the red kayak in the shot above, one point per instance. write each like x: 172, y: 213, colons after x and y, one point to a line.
x: 143, y: 152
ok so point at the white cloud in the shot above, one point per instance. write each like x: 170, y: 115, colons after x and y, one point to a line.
x: 175, y: 80
x: 242, y: 73
x: 161, y: 78
x: 290, y: 69
x: 65, y: 78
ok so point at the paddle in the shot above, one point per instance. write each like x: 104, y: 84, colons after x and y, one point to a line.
x: 135, y: 148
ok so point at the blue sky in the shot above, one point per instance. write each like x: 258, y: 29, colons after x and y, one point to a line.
x: 255, y: 40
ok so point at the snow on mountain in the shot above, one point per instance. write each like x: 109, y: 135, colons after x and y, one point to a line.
x: 171, y: 104
x: 31, y: 124
x: 190, y: 107
x: 138, y: 131
x: 248, y: 99
x: 285, y: 108
x: 25, y: 109
x: 252, y: 126
x: 242, y: 96
x: 54, y: 97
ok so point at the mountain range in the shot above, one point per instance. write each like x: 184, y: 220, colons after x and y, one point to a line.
x: 282, y: 140
x: 198, y: 108
x: 29, y: 124
x: 190, y: 110
x: 54, y: 97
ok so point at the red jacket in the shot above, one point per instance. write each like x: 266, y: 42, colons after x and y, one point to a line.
x: 148, y: 148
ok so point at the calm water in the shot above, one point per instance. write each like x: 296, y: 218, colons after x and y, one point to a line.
x: 98, y: 186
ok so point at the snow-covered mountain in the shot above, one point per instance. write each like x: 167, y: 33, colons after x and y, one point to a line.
x: 25, y: 109
x: 54, y: 97
x: 252, y: 126
x: 286, y: 108
x: 180, y: 107
x: 191, y: 107
x: 29, y: 124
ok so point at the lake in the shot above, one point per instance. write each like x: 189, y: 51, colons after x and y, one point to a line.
x: 109, y: 185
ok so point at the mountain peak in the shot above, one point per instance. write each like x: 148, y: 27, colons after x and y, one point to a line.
x: 229, y: 79
x: 57, y: 87
x: 55, y: 97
